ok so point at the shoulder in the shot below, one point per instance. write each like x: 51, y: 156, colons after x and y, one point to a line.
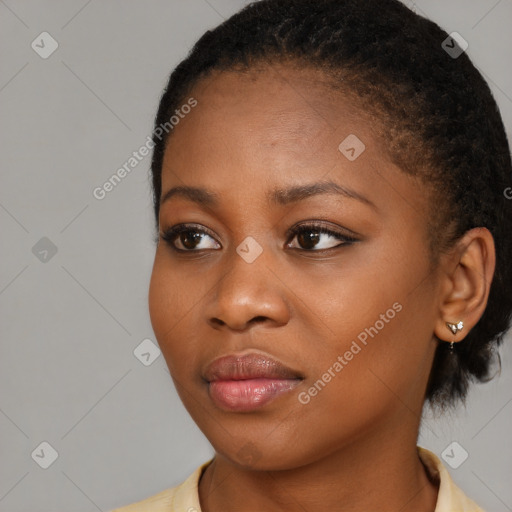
x: 450, y: 497
x: 182, y: 498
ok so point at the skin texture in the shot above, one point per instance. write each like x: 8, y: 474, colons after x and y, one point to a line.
x: 353, y: 446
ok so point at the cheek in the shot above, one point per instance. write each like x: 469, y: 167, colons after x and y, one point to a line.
x: 160, y: 300
x: 170, y: 300
x: 376, y: 370
x: 379, y: 346
x: 176, y: 298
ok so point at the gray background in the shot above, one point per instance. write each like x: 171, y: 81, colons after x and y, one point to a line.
x: 70, y: 323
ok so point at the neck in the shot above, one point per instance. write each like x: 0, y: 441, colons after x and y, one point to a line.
x: 379, y: 474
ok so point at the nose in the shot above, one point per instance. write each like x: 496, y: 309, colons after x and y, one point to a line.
x: 248, y: 294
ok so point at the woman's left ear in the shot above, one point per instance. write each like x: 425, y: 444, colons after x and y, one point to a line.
x: 466, y: 280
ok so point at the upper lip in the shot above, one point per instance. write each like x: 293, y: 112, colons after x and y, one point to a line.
x: 248, y: 366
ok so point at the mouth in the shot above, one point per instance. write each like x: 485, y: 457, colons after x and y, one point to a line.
x: 244, y: 383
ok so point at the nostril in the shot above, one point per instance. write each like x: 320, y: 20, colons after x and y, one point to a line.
x: 217, y: 322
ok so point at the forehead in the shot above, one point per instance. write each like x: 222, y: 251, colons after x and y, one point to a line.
x: 275, y: 115
x: 282, y: 101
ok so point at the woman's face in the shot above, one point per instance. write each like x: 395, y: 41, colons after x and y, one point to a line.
x: 288, y: 345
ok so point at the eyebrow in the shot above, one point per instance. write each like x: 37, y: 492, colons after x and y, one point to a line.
x: 280, y: 196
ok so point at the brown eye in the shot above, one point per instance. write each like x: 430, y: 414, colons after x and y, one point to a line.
x: 308, y: 240
x: 317, y: 237
x: 187, y: 238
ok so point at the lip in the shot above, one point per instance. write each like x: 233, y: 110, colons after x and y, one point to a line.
x: 246, y: 382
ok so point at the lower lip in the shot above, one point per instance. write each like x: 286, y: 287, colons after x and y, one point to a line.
x: 250, y: 394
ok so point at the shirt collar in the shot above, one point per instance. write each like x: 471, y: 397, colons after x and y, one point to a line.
x: 450, y: 498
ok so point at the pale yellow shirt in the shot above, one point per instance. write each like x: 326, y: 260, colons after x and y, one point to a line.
x: 185, y: 497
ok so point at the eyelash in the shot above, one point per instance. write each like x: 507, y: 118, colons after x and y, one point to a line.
x: 170, y: 235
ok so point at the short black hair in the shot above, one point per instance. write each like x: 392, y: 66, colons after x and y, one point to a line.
x: 441, y: 120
